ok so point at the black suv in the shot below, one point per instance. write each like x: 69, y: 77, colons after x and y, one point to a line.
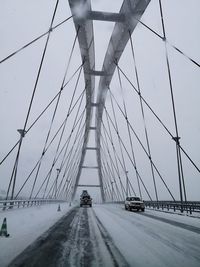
x: 85, y: 199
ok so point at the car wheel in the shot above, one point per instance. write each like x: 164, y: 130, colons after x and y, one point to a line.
x: 129, y: 209
x: 142, y: 209
x: 125, y: 207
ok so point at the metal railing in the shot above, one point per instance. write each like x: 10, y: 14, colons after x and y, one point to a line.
x: 189, y: 206
x: 24, y: 203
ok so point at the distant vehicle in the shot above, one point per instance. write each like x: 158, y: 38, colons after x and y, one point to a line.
x: 85, y: 199
x: 134, y: 203
x: 84, y: 193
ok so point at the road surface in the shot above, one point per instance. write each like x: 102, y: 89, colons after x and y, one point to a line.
x: 108, y: 235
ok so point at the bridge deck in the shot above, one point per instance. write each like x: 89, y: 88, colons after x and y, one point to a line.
x: 105, y: 235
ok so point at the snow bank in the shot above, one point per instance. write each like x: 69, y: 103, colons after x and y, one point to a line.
x: 25, y: 225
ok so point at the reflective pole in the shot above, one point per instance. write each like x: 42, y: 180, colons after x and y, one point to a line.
x: 58, y: 171
x: 112, y: 190
x: 126, y: 183
x: 22, y: 134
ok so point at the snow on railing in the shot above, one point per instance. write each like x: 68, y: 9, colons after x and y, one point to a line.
x: 189, y: 206
x: 24, y: 203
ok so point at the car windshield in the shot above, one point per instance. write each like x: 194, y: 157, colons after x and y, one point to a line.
x: 134, y: 199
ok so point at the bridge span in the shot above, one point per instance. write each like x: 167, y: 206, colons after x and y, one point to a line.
x: 105, y: 235
x: 118, y: 128
x: 100, y: 96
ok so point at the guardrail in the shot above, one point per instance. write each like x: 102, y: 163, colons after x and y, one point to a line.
x: 189, y: 206
x: 24, y: 203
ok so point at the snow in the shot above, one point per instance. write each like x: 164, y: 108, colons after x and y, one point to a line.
x: 25, y: 225
x: 193, y: 219
x: 142, y: 238
x: 146, y: 241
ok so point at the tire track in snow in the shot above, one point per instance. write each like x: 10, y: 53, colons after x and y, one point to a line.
x: 89, y: 244
x: 77, y: 239
x: 47, y: 249
x: 143, y: 227
x: 174, y: 223
x: 78, y: 249
x: 116, y: 256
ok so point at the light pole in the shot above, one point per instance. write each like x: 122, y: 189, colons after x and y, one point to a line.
x: 22, y: 133
x: 58, y: 171
x: 126, y: 183
x: 112, y: 190
x: 105, y: 191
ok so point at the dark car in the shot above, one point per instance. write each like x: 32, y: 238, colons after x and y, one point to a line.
x: 85, y: 199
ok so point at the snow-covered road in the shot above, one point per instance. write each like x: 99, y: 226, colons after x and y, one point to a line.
x: 153, y: 238
x: 107, y: 235
x: 77, y: 239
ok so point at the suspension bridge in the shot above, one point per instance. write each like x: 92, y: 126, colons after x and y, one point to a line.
x: 104, y: 100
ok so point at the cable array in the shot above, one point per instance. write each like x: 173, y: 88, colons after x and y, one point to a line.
x: 121, y: 145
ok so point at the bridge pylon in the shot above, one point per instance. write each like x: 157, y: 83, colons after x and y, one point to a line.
x: 124, y: 26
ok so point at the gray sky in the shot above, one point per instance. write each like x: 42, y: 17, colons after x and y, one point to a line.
x: 21, y: 21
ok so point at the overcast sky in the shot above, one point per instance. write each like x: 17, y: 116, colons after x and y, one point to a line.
x: 21, y: 21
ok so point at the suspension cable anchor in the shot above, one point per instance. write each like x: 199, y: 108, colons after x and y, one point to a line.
x: 22, y: 132
x: 176, y: 139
